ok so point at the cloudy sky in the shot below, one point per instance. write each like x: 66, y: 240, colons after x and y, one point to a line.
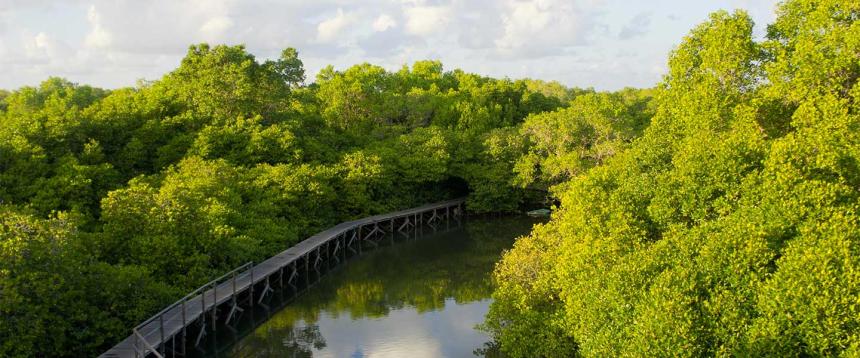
x: 606, y: 44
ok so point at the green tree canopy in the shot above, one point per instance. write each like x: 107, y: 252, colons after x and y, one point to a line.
x: 729, y: 227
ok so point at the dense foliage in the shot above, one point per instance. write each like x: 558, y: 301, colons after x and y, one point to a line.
x: 730, y: 227
x: 716, y: 214
x: 113, y: 203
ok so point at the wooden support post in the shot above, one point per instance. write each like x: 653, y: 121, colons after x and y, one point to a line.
x: 317, y: 260
x: 343, y: 237
x: 336, y: 248
x: 307, y: 270
x: 321, y: 256
x: 293, y: 276
x: 281, y: 277
x: 266, y: 290
x: 373, y: 232
x: 331, y: 252
x: 201, y: 334
x: 358, y: 233
x: 233, y: 310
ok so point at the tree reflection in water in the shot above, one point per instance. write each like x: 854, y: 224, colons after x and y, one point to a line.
x: 417, y: 275
x: 300, y: 340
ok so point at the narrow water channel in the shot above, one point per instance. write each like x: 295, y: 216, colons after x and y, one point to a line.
x: 417, y: 297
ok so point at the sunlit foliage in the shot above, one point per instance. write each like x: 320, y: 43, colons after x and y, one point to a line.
x: 729, y: 228
x: 114, y: 202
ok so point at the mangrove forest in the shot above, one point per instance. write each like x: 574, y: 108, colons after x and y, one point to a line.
x: 716, y: 213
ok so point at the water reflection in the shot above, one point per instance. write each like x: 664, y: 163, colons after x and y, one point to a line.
x: 419, y: 298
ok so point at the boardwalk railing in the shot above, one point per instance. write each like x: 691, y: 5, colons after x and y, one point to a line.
x: 154, y: 336
x: 155, y: 325
x: 147, y: 348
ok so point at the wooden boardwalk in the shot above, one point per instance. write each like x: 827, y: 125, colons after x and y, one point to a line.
x: 240, y: 286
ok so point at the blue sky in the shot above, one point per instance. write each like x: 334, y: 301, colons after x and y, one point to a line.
x: 605, y: 44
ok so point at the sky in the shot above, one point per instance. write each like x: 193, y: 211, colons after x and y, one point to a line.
x: 604, y: 44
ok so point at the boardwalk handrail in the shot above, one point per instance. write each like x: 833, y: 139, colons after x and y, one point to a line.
x: 147, y: 348
x: 200, y: 289
x: 194, y: 306
x: 182, y: 301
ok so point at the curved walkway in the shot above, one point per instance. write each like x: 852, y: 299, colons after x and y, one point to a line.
x: 153, y: 335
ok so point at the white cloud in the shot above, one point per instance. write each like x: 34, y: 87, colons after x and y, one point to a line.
x: 383, y: 22
x: 112, y: 43
x: 543, y: 27
x: 330, y: 29
x: 44, y: 49
x: 215, y: 28
x: 38, y: 47
x: 426, y: 20
x: 99, y: 37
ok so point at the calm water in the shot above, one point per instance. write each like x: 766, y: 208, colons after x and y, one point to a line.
x: 416, y: 298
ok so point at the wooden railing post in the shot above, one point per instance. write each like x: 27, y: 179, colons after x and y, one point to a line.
x: 252, y: 286
x: 214, y: 305
x: 146, y: 345
x: 161, y: 327
x: 203, y: 307
x: 234, y: 286
x: 184, y: 328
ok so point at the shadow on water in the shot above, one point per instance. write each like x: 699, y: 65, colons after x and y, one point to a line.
x: 419, y: 294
